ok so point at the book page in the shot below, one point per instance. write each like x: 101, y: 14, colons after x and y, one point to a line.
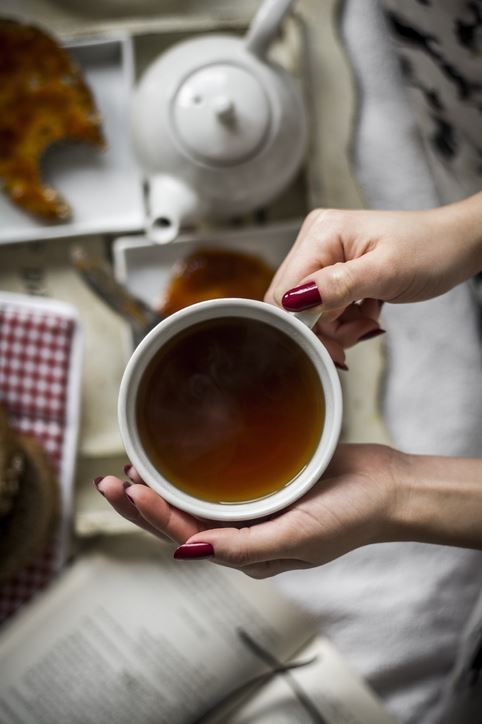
x: 130, y: 635
x: 315, y: 687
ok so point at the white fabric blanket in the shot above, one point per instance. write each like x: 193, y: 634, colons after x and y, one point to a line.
x: 396, y: 611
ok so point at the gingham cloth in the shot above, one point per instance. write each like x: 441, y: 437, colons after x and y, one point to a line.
x: 34, y: 375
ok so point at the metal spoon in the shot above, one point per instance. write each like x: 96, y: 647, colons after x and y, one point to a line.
x: 100, y: 278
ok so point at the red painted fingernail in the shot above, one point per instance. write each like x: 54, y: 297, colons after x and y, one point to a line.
x: 302, y: 297
x: 372, y: 334
x: 97, y: 482
x: 189, y: 551
x: 341, y: 366
x: 127, y: 468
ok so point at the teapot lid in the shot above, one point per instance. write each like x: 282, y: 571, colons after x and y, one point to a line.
x: 221, y: 114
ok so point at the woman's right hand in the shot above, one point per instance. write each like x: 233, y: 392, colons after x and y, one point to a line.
x: 349, y: 262
x: 393, y: 256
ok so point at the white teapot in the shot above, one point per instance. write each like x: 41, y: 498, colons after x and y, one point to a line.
x: 218, y: 129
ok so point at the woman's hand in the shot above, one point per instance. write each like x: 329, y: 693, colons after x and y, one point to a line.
x: 344, y: 257
x: 369, y: 494
x: 351, y: 506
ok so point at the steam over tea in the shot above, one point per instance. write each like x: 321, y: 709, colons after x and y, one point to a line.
x: 230, y: 410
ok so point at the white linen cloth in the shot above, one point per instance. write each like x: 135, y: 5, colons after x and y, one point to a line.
x: 396, y: 611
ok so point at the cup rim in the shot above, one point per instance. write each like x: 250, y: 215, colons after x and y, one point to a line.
x: 204, y: 311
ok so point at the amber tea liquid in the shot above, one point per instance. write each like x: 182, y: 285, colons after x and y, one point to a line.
x: 230, y: 410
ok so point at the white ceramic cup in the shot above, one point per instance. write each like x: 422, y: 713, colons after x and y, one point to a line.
x: 297, y: 330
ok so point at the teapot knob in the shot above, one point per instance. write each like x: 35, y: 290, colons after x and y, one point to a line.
x: 221, y: 114
x: 224, y: 109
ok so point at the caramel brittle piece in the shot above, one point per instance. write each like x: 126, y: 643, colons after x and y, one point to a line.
x: 43, y: 99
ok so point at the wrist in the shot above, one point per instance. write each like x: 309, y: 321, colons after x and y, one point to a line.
x: 438, y: 500
x: 461, y: 223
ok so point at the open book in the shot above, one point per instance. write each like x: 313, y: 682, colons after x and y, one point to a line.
x: 128, y: 635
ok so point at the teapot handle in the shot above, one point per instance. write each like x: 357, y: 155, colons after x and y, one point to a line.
x: 265, y: 25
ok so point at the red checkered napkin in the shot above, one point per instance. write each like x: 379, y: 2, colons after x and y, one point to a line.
x: 39, y: 382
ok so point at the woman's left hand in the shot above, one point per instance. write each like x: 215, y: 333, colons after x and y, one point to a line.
x: 350, y: 507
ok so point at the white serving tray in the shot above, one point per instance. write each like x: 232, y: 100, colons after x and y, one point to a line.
x: 146, y: 268
x: 103, y: 188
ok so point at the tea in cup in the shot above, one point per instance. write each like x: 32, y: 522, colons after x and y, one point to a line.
x: 230, y: 409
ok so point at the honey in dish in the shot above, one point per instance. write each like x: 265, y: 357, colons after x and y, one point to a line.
x: 215, y: 273
x: 230, y: 410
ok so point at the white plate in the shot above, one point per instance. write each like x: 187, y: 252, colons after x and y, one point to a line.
x: 146, y: 268
x: 103, y: 188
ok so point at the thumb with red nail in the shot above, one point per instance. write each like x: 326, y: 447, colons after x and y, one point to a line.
x: 347, y: 263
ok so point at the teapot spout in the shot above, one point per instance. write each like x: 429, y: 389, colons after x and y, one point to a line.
x: 171, y: 202
x: 265, y: 25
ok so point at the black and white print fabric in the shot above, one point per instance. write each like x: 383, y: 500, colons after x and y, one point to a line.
x: 439, y: 43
